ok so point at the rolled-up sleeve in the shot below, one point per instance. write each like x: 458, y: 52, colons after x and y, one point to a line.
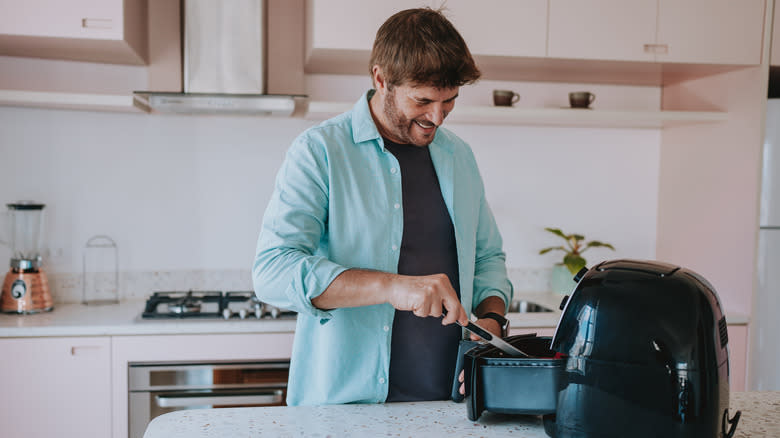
x: 289, y: 270
x: 490, y: 276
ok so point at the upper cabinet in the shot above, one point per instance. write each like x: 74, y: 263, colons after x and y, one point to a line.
x: 491, y: 28
x: 501, y: 27
x: 677, y: 31
x: 711, y: 31
x: 109, y: 31
x: 615, y: 30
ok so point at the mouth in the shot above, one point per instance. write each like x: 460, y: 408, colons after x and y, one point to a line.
x: 425, y: 125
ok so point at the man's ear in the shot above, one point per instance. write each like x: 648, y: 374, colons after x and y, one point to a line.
x: 379, y: 80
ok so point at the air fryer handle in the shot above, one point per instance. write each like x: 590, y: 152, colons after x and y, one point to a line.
x: 733, y: 422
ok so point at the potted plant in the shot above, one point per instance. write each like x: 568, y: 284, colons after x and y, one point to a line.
x: 572, y: 259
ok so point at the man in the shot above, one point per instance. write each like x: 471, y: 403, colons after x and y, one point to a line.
x: 378, y: 225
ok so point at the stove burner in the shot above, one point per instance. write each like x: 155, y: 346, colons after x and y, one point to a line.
x: 210, y: 304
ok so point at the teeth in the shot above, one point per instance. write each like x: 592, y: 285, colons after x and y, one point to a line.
x: 424, y: 126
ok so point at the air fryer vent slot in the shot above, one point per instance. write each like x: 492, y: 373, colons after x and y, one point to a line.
x: 724, y: 332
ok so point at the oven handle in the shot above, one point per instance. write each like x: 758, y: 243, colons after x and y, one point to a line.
x: 262, y: 398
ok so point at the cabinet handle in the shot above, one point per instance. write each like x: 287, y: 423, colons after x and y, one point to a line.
x: 267, y: 398
x: 96, y: 23
x: 83, y: 348
x: 659, y: 49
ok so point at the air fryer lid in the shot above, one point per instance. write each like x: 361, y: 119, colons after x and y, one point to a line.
x: 641, y: 312
x: 646, y: 346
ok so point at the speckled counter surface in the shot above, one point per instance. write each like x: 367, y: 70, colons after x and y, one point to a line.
x: 760, y: 418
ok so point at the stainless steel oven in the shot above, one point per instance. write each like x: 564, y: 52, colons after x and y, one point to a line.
x: 157, y: 388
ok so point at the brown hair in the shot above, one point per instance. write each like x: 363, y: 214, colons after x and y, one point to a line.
x: 421, y: 46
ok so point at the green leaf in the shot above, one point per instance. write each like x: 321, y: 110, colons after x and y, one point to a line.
x: 596, y: 243
x: 577, y: 237
x: 557, y: 232
x: 546, y: 250
x: 574, y: 263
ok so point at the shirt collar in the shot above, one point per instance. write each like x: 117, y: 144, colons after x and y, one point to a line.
x: 364, y: 128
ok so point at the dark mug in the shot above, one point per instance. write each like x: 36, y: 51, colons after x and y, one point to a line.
x: 505, y: 97
x: 581, y: 99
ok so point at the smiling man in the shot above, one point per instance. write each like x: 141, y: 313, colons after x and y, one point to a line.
x: 378, y: 226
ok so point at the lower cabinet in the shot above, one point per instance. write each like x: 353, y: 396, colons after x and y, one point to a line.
x: 198, y: 348
x: 55, y: 387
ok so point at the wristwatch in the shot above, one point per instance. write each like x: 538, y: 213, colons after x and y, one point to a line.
x: 502, y: 322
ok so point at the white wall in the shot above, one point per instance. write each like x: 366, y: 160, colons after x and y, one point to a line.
x: 185, y: 192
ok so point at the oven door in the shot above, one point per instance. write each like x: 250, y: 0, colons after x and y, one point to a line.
x: 158, y: 388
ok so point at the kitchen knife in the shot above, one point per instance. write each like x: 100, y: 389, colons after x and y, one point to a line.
x: 493, y: 340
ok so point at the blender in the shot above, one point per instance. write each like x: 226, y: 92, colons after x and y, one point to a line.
x: 25, y: 289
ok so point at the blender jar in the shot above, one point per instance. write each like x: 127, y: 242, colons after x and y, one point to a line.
x: 26, y: 224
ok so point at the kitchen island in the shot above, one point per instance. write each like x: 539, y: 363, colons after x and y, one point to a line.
x: 760, y: 418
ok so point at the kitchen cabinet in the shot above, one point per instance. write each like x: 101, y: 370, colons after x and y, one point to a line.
x: 53, y: 385
x: 185, y: 348
x: 602, y: 29
x: 668, y: 31
x: 711, y: 31
x: 738, y: 341
x: 491, y: 28
x: 110, y: 31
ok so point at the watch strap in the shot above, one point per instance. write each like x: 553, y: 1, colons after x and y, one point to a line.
x: 500, y: 319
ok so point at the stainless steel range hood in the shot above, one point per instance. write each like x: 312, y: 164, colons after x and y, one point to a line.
x: 224, y: 64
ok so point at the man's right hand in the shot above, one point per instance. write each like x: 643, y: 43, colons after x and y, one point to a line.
x: 427, y: 295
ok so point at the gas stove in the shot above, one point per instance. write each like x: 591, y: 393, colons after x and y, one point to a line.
x: 210, y: 305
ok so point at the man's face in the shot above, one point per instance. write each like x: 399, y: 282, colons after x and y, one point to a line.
x: 412, y: 113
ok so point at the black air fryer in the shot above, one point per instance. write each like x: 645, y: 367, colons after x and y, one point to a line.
x: 643, y: 353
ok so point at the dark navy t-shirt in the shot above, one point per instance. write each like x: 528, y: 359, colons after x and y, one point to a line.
x: 423, y: 351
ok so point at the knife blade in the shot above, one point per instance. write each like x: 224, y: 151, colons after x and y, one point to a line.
x: 493, y: 340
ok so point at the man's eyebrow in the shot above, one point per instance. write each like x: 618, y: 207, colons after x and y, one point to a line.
x: 426, y: 100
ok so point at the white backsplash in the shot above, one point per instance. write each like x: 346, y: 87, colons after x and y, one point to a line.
x: 68, y: 287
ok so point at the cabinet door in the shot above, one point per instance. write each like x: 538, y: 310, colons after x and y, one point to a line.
x: 501, y: 27
x: 711, y: 31
x: 55, y: 386
x: 602, y: 29
x: 349, y: 24
x: 344, y: 30
x: 72, y: 19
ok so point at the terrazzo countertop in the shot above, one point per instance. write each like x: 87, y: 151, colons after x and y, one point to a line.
x: 760, y: 418
x: 124, y: 318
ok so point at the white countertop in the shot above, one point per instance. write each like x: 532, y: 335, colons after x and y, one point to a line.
x: 760, y: 418
x: 124, y: 319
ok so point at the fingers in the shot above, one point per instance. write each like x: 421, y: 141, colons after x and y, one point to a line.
x: 462, y: 388
x: 429, y: 295
x: 455, y: 312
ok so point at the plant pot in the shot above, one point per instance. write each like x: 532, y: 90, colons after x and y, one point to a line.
x: 562, y: 280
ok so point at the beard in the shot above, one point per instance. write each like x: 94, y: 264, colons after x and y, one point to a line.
x: 401, y: 127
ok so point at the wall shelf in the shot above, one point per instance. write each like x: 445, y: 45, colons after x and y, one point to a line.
x: 594, y: 118
x: 79, y: 101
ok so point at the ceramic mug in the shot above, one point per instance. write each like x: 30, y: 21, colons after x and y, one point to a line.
x: 581, y: 99
x: 505, y: 97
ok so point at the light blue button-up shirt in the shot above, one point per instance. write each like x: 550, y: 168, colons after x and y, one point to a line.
x: 335, y: 207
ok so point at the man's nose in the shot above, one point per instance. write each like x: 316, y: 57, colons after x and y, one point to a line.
x: 437, y: 114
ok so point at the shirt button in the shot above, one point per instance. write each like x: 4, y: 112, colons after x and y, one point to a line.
x: 397, y: 206
x: 382, y: 380
x: 393, y: 170
x: 395, y: 247
x: 386, y: 328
